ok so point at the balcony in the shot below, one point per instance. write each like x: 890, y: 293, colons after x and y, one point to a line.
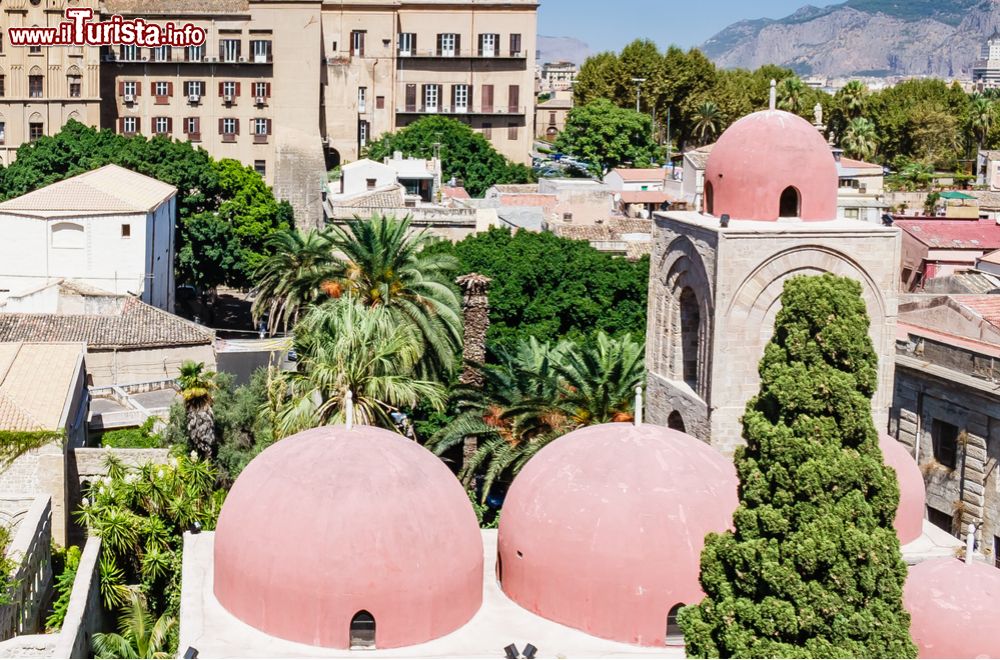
x: 208, y: 59
x: 468, y: 111
x: 460, y: 54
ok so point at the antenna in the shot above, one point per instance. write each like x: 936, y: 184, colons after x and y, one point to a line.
x: 970, y: 543
x: 349, y: 409
x: 638, y: 406
x: 774, y: 94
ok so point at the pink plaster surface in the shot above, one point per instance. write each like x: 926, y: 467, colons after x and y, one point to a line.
x: 329, y: 522
x: 953, y: 608
x: 912, y: 492
x: 603, y: 529
x: 761, y: 155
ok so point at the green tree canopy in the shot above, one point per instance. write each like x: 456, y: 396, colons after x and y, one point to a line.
x: 226, y: 211
x: 813, y: 568
x: 465, y: 154
x: 605, y: 136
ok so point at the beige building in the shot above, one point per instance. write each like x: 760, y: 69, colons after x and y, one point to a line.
x: 42, y: 88
x: 388, y: 64
x: 551, y: 115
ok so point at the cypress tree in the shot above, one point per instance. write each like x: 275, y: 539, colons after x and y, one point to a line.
x: 813, y: 568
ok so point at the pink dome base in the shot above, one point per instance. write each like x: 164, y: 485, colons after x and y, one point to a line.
x: 952, y: 608
x: 603, y: 529
x: 909, y: 521
x: 330, y: 522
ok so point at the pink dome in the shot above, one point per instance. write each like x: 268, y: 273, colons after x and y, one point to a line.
x: 952, y: 608
x: 760, y: 157
x: 330, y: 522
x: 909, y: 521
x: 603, y: 529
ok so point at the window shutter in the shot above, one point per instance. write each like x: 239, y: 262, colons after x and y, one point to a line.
x: 221, y: 92
x: 439, y: 38
x: 121, y: 124
x: 482, y: 37
x: 222, y: 51
x: 221, y: 126
x: 454, y: 95
x: 237, y: 126
x: 152, y: 89
x: 468, y: 95
x: 267, y: 90
x: 458, y: 44
x: 121, y: 88
x: 237, y: 89
x: 170, y: 89
x: 138, y: 124
x: 413, y: 43
x: 423, y: 96
x: 513, y: 97
x: 170, y: 124
x: 268, y: 126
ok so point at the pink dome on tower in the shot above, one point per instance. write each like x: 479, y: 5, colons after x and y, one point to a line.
x: 603, y: 529
x: 952, y: 608
x: 909, y: 521
x: 768, y: 165
x: 332, y: 522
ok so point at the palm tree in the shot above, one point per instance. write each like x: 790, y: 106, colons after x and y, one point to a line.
x: 292, y: 278
x: 916, y: 175
x: 197, y: 386
x: 138, y: 636
x: 343, y: 347
x: 476, y: 323
x: 792, y: 95
x: 383, y: 265
x: 854, y: 94
x: 708, y: 121
x: 599, y: 380
x: 860, y: 139
x: 981, y: 118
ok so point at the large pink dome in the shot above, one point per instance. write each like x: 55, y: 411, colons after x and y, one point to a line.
x: 330, y: 522
x: 952, y: 608
x: 603, y: 529
x: 912, y: 492
x: 760, y: 157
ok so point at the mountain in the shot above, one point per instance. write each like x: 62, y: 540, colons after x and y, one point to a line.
x: 864, y: 38
x: 562, y: 49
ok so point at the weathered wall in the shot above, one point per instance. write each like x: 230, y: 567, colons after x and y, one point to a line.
x: 84, y: 614
x: 31, y: 547
x: 40, y: 472
x: 113, y: 367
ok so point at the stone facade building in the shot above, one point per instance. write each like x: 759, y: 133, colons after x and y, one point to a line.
x: 717, y: 276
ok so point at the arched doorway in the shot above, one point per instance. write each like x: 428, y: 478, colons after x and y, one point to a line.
x: 791, y: 203
x: 332, y: 158
x: 363, y: 630
x: 690, y: 325
x: 676, y: 422
x: 709, y: 198
x: 675, y: 636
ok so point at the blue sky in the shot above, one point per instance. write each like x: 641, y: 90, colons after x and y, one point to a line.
x: 609, y: 25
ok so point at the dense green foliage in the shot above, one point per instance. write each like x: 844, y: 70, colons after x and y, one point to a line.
x: 134, y: 438
x: 63, y: 587
x: 226, y: 211
x: 605, y: 136
x: 813, y: 568
x: 465, y: 154
x: 15, y: 443
x: 7, y: 568
x: 553, y: 288
x: 139, y: 635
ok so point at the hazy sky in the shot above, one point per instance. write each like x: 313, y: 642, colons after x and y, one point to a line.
x: 610, y: 24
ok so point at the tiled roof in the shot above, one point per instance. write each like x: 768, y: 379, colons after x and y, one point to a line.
x: 557, y: 104
x: 859, y: 164
x: 109, y: 189
x: 133, y: 325
x: 29, y: 402
x: 955, y: 234
x: 991, y: 258
x: 159, y: 7
x: 699, y: 157
x: 631, y: 225
x: 988, y: 201
x: 516, y: 188
x: 454, y: 192
x: 634, y: 174
x: 645, y: 197
x: 382, y: 198
x: 987, y: 307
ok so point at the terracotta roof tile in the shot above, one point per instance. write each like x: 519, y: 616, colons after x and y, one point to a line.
x: 636, y: 174
x: 645, y: 197
x: 29, y: 402
x: 987, y: 307
x: 955, y: 234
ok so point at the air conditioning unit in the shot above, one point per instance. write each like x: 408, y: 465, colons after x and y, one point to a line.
x: 129, y: 98
x: 261, y: 100
x: 227, y: 98
x: 212, y: 59
x: 243, y: 59
x: 194, y: 98
x: 863, y: 190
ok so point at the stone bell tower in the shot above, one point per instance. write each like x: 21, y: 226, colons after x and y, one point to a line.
x: 770, y: 213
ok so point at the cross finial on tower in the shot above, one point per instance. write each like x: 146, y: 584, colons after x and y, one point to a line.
x: 638, y: 406
x: 774, y: 94
x: 349, y: 409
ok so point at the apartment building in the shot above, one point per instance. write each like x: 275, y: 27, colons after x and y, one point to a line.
x: 390, y: 63
x: 42, y: 88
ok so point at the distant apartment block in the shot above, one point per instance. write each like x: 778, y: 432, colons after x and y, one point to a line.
x: 556, y: 76
x: 986, y: 71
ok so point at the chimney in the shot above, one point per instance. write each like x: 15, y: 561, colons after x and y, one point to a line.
x: 774, y: 94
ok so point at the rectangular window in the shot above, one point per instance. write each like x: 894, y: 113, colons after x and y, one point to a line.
x: 35, y: 131
x: 939, y: 519
x: 229, y: 89
x: 161, y: 53
x: 513, y: 98
x: 3, y: 86
x: 362, y: 97
x: 515, y: 45
x: 363, y: 133
x: 161, y: 89
x: 460, y: 100
x: 552, y: 118
x: 75, y: 86
x: 192, y: 128
x: 511, y: 131
x: 130, y: 125
x: 229, y: 127
x: 358, y: 43
x: 432, y: 95
x: 487, y: 98
x: 996, y: 551
x: 261, y: 126
x: 195, y: 53
x: 487, y: 130
x: 261, y: 50
x: 130, y: 88
x: 34, y: 50
x: 3, y: 133
x: 489, y: 45
x: 851, y: 214
x: 262, y: 90
x: 36, y: 86
x: 126, y: 231
x: 161, y: 125
x: 260, y: 167
x: 411, y: 98
x: 129, y: 53
x: 379, y: 102
x: 194, y: 88
x: 945, y: 440
x: 407, y: 44
x: 371, y: 183
x: 447, y: 45
x: 229, y: 50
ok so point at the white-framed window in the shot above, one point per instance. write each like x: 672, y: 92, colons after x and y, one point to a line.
x: 161, y: 54
x: 162, y: 89
x: 3, y: 132
x: 129, y: 52
x: 261, y: 50
x: 229, y: 126
x: 261, y: 126
x: 129, y: 88
x: 229, y: 88
x: 851, y: 214
x: 362, y: 99
x: 260, y: 167
x: 432, y: 94
x: 195, y: 53
x: 161, y: 125
x: 461, y: 98
x: 358, y: 43
x: 229, y: 50
x: 194, y: 88
x: 260, y: 90
x: 448, y: 42
x: 363, y: 133
x: 192, y: 126
x: 488, y: 45
x: 407, y: 44
x: 130, y: 125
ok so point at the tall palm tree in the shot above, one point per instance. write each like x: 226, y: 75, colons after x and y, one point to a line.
x: 476, y: 322
x: 138, y: 636
x: 292, y: 278
x: 382, y: 264
x: 792, y: 94
x: 981, y: 117
x: 708, y: 121
x: 344, y: 346
x: 197, y: 386
x: 854, y: 94
x: 599, y: 380
x: 860, y: 139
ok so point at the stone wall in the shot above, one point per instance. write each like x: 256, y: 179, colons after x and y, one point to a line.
x: 40, y: 471
x: 31, y: 547
x: 84, y: 614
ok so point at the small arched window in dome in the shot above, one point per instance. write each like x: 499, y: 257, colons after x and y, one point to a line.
x: 791, y: 203
x: 363, y: 630
x: 676, y: 422
x: 709, y: 198
x: 675, y: 636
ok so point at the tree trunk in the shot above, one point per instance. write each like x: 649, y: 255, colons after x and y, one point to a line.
x: 476, y: 317
x: 201, y: 430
